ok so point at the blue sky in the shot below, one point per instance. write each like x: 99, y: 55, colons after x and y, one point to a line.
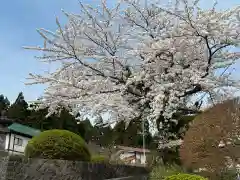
x: 19, y: 21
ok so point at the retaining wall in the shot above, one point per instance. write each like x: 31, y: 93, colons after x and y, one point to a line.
x: 43, y: 169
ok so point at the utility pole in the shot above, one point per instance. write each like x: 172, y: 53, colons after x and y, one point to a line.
x: 143, y: 135
x: 143, y: 142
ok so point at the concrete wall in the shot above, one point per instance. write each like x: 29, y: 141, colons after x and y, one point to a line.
x: 2, y: 141
x: 42, y: 169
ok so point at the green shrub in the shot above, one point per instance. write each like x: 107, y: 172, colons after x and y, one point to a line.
x: 58, y: 144
x: 161, y: 171
x: 99, y: 159
x: 185, y: 177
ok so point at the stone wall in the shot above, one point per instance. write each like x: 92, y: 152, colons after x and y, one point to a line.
x: 42, y: 169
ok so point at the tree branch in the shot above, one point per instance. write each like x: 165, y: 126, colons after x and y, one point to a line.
x: 196, y: 89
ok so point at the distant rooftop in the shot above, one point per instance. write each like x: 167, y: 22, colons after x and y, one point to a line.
x: 141, y: 150
x: 25, y: 130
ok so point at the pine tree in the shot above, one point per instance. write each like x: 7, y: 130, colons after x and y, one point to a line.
x: 4, y: 104
x: 67, y: 121
x: 119, y: 133
x: 19, y: 109
x: 86, y: 128
x: 64, y: 120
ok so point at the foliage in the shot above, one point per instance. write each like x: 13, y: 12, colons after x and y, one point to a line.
x: 64, y: 120
x: 160, y: 172
x: 132, y: 135
x: 4, y: 104
x: 31, y: 116
x: 183, y: 123
x: 154, y: 160
x: 223, y: 174
x: 212, y: 139
x: 185, y: 177
x: 170, y: 155
x: 99, y: 159
x: 140, y: 60
x: 58, y: 144
x: 228, y: 174
x: 106, y: 136
x: 19, y: 109
x: 102, y: 135
x: 82, y: 131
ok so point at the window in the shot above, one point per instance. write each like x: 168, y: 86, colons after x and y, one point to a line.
x: 18, y: 141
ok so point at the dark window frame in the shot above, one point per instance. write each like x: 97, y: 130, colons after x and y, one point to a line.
x: 18, y: 141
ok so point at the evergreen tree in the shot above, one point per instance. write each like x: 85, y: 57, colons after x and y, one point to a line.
x: 105, y: 135
x: 133, y: 135
x: 82, y: 130
x: 4, y: 104
x: 86, y: 127
x: 21, y: 101
x: 19, y: 109
x: 119, y: 133
x: 64, y: 120
x: 37, y: 118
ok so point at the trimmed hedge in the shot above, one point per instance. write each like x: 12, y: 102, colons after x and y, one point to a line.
x: 185, y: 177
x: 58, y: 144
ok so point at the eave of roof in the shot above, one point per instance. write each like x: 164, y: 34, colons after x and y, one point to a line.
x: 22, y: 129
x: 141, y: 150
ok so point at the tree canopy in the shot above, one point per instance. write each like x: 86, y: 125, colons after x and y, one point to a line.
x: 212, y: 141
x: 4, y: 104
x: 19, y: 109
x: 139, y: 59
x: 96, y: 132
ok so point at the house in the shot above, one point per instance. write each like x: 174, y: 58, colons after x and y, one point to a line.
x: 132, y: 155
x: 15, y: 137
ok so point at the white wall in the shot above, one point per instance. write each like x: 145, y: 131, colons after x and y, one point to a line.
x: 127, y: 154
x: 139, y: 156
x: 13, y: 147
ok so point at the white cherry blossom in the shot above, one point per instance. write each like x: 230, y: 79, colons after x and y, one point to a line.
x: 139, y: 60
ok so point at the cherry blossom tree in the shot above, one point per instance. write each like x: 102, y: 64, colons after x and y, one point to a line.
x: 140, y: 60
